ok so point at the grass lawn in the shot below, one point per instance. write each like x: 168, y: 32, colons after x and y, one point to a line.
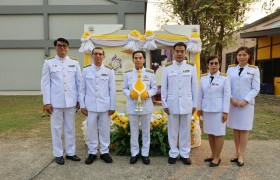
x: 21, y: 117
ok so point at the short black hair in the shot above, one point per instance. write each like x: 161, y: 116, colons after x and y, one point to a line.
x: 180, y: 44
x: 142, y: 52
x: 98, y: 48
x: 213, y: 57
x: 61, y: 40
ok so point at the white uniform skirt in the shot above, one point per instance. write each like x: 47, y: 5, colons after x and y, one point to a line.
x: 241, y: 118
x: 212, y: 123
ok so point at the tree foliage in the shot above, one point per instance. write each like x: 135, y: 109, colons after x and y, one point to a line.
x: 218, y: 20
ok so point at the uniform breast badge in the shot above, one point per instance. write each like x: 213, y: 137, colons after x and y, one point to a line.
x: 146, y: 78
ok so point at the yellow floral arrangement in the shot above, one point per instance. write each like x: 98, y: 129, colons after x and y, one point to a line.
x: 120, y: 120
x: 159, y: 117
x: 149, y: 33
x: 86, y: 35
x: 135, y: 33
x: 195, y: 34
x: 120, y: 136
x: 195, y: 120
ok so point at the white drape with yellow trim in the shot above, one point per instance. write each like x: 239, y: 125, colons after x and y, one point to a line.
x: 136, y: 41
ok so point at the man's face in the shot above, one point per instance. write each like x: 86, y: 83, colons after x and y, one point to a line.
x: 61, y: 49
x: 98, y: 56
x: 179, y: 53
x: 138, y: 60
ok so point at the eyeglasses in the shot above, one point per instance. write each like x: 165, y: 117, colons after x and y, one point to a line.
x: 62, y: 45
x: 214, y: 63
x: 98, y: 54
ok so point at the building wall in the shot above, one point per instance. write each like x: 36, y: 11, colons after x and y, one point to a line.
x: 29, y: 27
x: 249, y: 42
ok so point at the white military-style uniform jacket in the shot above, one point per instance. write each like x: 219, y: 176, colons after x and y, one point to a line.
x: 247, y: 85
x: 60, y: 82
x: 98, y: 91
x: 148, y: 77
x: 179, y: 87
x: 214, y: 96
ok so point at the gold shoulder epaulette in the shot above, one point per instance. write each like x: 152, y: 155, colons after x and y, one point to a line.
x: 253, y: 66
x: 205, y: 74
x: 74, y: 58
x: 50, y: 57
x: 128, y: 71
x: 223, y: 74
x: 168, y: 64
x: 150, y: 70
x: 87, y: 66
x: 108, y: 66
x: 232, y: 65
x: 190, y: 63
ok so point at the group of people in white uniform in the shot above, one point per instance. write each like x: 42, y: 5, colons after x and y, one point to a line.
x: 220, y: 98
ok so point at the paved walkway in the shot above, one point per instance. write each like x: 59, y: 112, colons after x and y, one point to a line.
x: 32, y: 158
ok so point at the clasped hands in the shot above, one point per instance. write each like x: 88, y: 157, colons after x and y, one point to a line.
x: 237, y: 103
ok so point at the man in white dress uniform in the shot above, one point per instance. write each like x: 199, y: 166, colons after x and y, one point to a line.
x: 148, y: 77
x: 60, y: 87
x: 98, y: 102
x: 179, y: 95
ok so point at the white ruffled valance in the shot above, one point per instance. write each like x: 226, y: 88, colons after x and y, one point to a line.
x: 134, y: 42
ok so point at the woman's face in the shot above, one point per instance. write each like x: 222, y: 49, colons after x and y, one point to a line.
x: 243, y: 58
x: 213, y: 66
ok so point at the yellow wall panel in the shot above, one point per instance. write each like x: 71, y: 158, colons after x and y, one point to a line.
x: 276, y: 51
x: 276, y: 40
x: 264, y: 41
x: 263, y: 53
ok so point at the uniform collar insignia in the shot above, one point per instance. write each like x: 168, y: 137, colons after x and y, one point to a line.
x: 186, y: 70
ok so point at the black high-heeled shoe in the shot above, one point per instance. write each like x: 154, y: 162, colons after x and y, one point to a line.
x: 234, y: 160
x: 208, y: 159
x: 214, y: 164
x: 240, y: 163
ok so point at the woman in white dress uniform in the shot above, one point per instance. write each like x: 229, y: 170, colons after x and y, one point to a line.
x: 213, y: 104
x: 245, y: 85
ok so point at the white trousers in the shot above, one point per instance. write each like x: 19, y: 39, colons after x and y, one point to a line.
x: 98, y: 124
x: 134, y: 132
x: 57, y: 117
x: 179, y: 124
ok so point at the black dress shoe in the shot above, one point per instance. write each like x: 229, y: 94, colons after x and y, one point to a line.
x: 234, y: 160
x: 186, y: 161
x: 106, y: 158
x: 240, y: 163
x: 73, y: 158
x: 59, y: 160
x: 90, y: 158
x: 208, y: 159
x: 214, y: 164
x: 172, y: 160
x: 133, y: 159
x: 146, y: 159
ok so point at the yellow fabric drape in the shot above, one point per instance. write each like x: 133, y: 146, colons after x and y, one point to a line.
x: 197, y: 63
x: 86, y: 59
x: 172, y: 37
